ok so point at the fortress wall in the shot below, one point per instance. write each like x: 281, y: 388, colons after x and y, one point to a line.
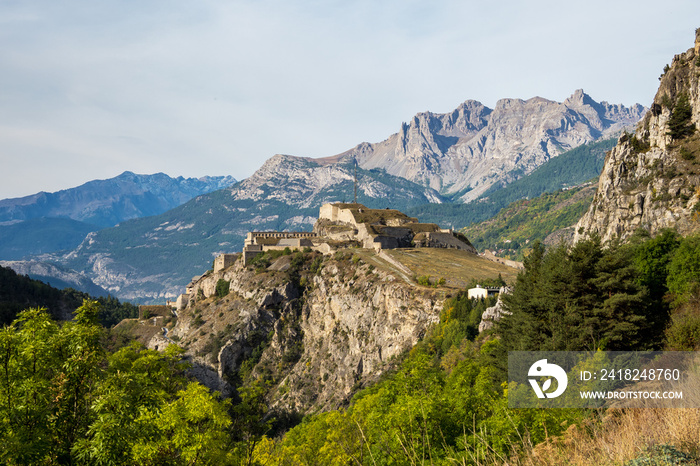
x: 224, y: 261
x: 328, y: 212
x: 346, y: 216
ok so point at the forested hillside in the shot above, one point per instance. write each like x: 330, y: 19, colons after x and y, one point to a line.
x: 518, y: 226
x: 447, y: 404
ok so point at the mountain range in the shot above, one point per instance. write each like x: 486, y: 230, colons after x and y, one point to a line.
x: 434, y: 159
x: 463, y: 153
x: 48, y: 222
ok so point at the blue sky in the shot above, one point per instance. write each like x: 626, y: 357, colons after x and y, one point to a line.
x: 89, y: 89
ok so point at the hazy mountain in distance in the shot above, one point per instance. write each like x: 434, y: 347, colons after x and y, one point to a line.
x: 105, y: 203
x: 49, y: 222
x: 155, y: 257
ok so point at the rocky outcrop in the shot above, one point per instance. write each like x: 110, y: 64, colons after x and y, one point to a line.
x: 316, y: 327
x: 464, y: 152
x: 494, y: 313
x: 650, y: 179
x: 308, y: 183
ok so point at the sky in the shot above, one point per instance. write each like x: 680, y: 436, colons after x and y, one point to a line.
x: 89, y: 89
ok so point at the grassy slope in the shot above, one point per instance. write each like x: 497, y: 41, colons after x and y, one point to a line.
x: 458, y: 268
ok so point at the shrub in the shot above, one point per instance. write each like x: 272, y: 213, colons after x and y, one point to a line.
x: 316, y: 265
x: 666, y: 101
x: 423, y: 280
x: 684, y: 333
x: 684, y: 270
x: 222, y: 288
x: 686, y: 154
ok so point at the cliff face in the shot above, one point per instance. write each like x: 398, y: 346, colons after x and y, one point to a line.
x: 650, y: 179
x: 315, y: 328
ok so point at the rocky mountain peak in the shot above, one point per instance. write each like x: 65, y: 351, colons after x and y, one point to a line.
x: 579, y: 98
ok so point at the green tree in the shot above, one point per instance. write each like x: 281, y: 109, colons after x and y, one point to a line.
x: 249, y: 420
x: 192, y: 429
x: 49, y: 373
x: 680, y: 123
x: 29, y: 363
x: 135, y: 380
x: 581, y: 298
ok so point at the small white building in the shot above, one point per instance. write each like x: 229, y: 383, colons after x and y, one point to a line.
x: 482, y: 292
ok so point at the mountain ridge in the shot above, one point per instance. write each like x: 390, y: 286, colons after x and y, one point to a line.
x: 130, y: 260
x: 154, y: 257
x: 49, y: 222
x: 105, y: 203
x: 462, y: 153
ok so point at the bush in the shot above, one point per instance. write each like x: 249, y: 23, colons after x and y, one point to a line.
x: 684, y: 333
x: 684, y: 270
x: 424, y: 280
x: 222, y: 288
x: 686, y: 154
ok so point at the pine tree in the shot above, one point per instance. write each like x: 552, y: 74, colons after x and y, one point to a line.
x: 680, y: 124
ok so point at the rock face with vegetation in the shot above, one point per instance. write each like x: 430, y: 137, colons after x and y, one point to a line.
x: 650, y: 179
x: 314, y: 328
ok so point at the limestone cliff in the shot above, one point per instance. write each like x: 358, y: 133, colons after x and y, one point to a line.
x: 650, y: 179
x: 315, y: 327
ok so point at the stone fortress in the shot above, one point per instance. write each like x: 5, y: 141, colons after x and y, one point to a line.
x: 344, y: 225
